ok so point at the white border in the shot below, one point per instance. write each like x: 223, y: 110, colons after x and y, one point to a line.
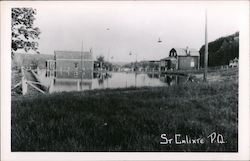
x: 7, y: 155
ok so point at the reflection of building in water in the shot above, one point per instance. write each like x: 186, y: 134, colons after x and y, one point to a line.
x: 101, y: 77
x: 153, y: 75
x: 59, y: 85
x: 97, y: 65
x: 173, y: 79
x: 169, y: 79
x: 71, y: 65
x: 181, y: 59
x: 154, y: 65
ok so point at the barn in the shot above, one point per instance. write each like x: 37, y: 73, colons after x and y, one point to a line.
x: 181, y: 59
x: 71, y: 65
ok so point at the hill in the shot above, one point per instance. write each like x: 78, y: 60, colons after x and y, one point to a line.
x: 221, y: 51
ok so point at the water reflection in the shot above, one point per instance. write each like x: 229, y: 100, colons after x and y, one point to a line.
x: 114, y: 80
x: 173, y: 79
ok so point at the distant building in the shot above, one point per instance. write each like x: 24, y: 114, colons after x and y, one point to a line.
x: 169, y: 63
x: 234, y: 63
x: 71, y: 65
x: 154, y: 65
x: 181, y: 59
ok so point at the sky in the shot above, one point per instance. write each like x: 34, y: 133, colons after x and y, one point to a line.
x: 115, y: 29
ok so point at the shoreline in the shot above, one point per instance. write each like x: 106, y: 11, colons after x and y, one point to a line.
x: 196, y: 76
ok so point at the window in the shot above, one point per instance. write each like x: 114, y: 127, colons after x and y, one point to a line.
x: 76, y: 65
x: 192, y: 64
x: 75, y: 74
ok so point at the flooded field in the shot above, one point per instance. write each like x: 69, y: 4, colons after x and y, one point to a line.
x: 110, y: 80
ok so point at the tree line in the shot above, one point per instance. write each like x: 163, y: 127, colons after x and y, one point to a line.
x: 221, y: 51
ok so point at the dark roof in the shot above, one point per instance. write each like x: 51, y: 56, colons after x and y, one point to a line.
x: 169, y: 58
x: 183, y: 52
x: 73, y: 55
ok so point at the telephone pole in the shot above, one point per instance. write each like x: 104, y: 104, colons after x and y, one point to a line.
x: 81, y: 65
x: 206, y: 51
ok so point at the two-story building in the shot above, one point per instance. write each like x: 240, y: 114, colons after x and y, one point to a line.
x: 71, y: 65
x: 181, y: 59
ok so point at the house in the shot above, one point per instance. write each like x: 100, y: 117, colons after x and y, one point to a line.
x: 234, y: 63
x: 168, y: 63
x: 154, y: 65
x: 71, y: 65
x: 181, y: 59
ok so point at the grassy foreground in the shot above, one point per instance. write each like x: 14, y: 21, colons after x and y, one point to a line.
x: 126, y: 119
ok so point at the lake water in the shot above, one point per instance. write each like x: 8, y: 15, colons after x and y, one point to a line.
x: 113, y: 80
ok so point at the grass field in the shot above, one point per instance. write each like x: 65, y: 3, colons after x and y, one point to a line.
x: 130, y: 119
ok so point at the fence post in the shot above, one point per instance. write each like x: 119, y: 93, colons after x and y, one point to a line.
x: 24, y: 82
x: 24, y: 86
x: 38, y: 70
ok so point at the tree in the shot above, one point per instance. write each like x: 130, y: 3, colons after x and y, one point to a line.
x: 24, y: 34
x: 104, y: 64
x: 100, y: 58
x: 221, y: 51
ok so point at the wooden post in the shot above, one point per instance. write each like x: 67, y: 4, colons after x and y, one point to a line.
x: 18, y: 84
x: 35, y: 87
x: 38, y: 70
x: 24, y: 82
x: 206, y: 51
x: 24, y: 86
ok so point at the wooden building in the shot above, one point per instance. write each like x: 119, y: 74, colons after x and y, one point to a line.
x: 181, y: 59
x: 154, y: 65
x: 71, y: 65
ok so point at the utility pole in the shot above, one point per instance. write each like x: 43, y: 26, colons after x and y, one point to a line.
x: 81, y: 65
x: 206, y: 51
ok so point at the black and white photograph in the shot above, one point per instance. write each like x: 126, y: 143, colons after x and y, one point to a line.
x: 126, y: 76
